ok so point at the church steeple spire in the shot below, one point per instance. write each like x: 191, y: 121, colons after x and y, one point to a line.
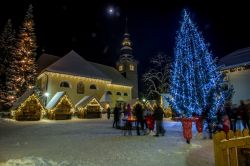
x: 126, y: 64
x: 126, y: 25
x: 126, y: 50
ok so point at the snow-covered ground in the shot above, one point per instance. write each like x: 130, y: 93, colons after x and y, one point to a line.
x: 95, y: 143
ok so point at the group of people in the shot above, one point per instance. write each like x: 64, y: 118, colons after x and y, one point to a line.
x: 144, y: 118
x: 235, y: 118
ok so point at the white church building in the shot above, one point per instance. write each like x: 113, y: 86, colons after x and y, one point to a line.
x: 236, y: 66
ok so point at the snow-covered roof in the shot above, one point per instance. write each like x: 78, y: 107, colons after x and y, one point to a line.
x: 55, y: 99
x: 106, y: 98
x: 21, y: 99
x: 45, y: 60
x: 112, y: 74
x: 85, y: 100
x: 74, y: 64
x: 237, y: 58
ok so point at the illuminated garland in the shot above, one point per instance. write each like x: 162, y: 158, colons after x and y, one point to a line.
x: 82, y: 109
x: 65, y: 97
x: 109, y: 84
x: 234, y: 69
x: 196, y: 84
x: 94, y: 100
x: 18, y: 111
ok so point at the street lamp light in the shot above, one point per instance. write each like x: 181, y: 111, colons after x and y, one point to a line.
x: 46, y: 95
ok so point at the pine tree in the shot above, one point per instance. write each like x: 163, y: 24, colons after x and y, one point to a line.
x: 7, y: 49
x: 196, y: 83
x: 22, y: 72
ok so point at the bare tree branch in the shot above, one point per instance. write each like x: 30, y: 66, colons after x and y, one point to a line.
x: 157, y: 78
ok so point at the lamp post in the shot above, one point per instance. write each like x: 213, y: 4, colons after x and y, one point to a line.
x: 46, y: 95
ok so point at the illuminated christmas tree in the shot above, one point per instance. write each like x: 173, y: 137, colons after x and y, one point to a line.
x: 196, y: 83
x: 22, y: 72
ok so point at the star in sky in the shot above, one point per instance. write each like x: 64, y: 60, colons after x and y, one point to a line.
x: 113, y: 11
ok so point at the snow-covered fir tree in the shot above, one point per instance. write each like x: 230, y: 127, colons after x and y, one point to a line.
x: 196, y: 82
x: 23, y: 69
x: 156, y: 80
x: 7, y: 50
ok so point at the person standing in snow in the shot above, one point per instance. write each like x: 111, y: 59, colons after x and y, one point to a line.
x: 150, y: 123
x: 158, y: 116
x: 108, y: 112
x: 139, y: 116
x: 245, y: 116
x: 116, y: 116
x: 226, y: 123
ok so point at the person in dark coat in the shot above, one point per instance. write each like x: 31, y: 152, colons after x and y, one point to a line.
x: 108, y: 112
x: 116, y: 117
x: 208, y: 120
x: 158, y: 116
x: 139, y: 118
x: 245, y: 116
x: 234, y: 117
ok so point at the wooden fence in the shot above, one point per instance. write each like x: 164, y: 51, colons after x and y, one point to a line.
x: 232, y: 149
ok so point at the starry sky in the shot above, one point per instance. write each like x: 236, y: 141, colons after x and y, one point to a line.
x: 94, y: 32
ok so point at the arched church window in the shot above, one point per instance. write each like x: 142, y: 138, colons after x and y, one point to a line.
x: 64, y: 84
x: 93, y: 86
x: 80, y: 88
x: 118, y: 93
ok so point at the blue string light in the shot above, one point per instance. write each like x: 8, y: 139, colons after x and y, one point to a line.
x: 196, y: 83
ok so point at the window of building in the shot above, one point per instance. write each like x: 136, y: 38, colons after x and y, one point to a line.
x: 120, y: 67
x: 125, y: 94
x: 64, y: 84
x: 118, y: 93
x: 93, y: 86
x: 80, y: 88
x: 109, y: 93
x: 131, y: 67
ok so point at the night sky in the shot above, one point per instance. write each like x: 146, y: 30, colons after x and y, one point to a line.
x: 95, y: 34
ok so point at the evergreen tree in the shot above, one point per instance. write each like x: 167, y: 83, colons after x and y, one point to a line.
x: 196, y: 83
x: 7, y: 49
x: 23, y: 70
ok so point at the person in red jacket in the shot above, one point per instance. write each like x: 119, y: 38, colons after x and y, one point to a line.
x: 150, y: 122
x: 226, y: 123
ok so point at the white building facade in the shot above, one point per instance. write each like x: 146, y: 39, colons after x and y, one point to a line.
x: 236, y: 66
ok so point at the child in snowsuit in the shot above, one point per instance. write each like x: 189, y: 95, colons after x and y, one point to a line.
x: 150, y: 122
x: 226, y: 123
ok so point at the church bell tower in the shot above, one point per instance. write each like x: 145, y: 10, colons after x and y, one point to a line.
x: 126, y: 64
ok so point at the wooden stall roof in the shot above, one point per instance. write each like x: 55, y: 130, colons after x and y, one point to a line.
x: 25, y: 96
x: 85, y: 101
x: 56, y: 99
x: 106, y: 98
